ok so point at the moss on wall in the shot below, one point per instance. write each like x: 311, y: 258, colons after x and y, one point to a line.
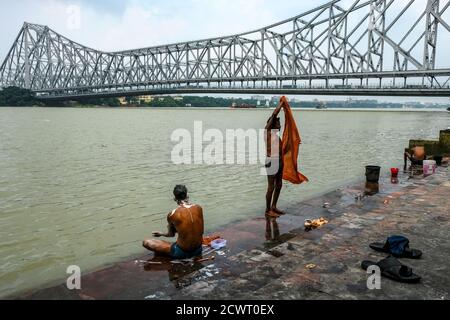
x: 434, y: 147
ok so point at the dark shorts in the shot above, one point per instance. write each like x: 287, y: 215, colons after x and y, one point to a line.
x: 177, y: 253
x: 272, y: 172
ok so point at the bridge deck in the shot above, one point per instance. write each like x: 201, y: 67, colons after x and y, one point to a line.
x: 271, y: 91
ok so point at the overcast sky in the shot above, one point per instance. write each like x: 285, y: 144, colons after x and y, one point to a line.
x: 112, y: 25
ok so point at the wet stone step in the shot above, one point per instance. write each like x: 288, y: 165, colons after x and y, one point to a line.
x: 264, y: 261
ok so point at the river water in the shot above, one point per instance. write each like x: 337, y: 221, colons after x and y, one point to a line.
x: 85, y: 186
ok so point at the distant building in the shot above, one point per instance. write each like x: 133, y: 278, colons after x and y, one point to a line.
x: 258, y: 98
x: 188, y: 105
x: 123, y: 101
x: 276, y: 99
x: 178, y: 98
x: 145, y: 99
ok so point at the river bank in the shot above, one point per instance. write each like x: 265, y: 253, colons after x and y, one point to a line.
x: 268, y: 260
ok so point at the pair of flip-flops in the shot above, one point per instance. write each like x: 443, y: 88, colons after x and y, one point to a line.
x: 391, y: 267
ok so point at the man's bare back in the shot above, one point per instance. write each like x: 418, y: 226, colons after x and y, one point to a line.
x: 187, y: 221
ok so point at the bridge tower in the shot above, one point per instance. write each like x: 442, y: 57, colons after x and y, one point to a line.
x: 376, y: 34
x: 431, y: 31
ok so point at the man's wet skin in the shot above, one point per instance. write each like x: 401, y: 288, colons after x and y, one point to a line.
x: 415, y: 155
x: 187, y: 221
x: 275, y: 168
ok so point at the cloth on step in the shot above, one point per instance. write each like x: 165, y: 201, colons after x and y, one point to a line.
x: 207, y: 240
x: 397, y: 244
x: 316, y: 223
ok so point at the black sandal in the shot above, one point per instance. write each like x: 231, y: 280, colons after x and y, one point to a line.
x: 393, y: 269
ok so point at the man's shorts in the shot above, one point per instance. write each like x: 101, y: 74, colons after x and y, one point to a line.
x: 277, y: 170
x: 177, y: 253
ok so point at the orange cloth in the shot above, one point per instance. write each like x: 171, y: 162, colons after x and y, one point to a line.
x: 207, y: 240
x: 291, y: 146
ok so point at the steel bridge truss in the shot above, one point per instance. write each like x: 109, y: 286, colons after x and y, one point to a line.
x: 367, y: 45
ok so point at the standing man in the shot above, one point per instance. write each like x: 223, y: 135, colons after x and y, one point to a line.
x: 282, y: 156
x: 187, y: 221
x: 274, y: 164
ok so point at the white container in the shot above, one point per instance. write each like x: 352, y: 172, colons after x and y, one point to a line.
x: 429, y: 167
x: 218, y: 244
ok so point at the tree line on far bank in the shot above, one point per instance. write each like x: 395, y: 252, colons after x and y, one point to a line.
x: 18, y: 97
x: 218, y: 102
x: 167, y: 102
x: 193, y: 101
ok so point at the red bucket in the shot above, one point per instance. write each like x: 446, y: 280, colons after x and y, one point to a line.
x: 394, y: 172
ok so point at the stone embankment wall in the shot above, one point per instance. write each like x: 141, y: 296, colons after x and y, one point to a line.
x: 432, y: 147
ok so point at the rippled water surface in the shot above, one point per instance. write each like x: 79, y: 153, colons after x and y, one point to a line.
x: 85, y: 186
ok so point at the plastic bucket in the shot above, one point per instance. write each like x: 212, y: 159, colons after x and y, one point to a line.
x: 431, y: 163
x: 372, y: 188
x: 394, y: 172
x: 373, y: 174
x: 429, y: 167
